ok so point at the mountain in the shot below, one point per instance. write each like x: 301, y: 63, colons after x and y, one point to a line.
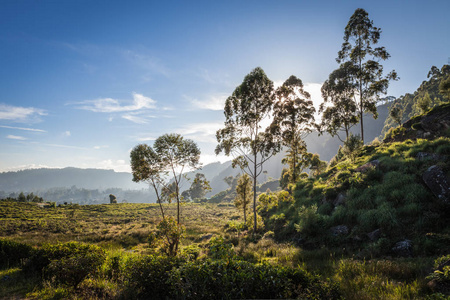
x: 44, y: 179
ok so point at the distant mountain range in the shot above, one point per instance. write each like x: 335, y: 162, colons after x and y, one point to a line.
x: 34, y: 180
x: 42, y: 179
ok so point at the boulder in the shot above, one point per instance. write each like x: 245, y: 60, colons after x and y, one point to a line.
x: 340, y: 199
x: 371, y: 164
x: 374, y: 235
x: 339, y: 230
x: 403, y: 248
x: 438, y: 183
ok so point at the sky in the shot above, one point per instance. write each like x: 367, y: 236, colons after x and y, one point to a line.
x: 82, y: 82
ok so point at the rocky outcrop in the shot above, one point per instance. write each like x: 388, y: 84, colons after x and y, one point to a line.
x: 371, y: 164
x: 438, y: 183
x: 428, y: 126
x: 403, y: 248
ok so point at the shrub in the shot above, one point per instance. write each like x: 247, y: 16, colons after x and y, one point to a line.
x: 148, y: 277
x: 68, y: 254
x: 13, y: 253
x: 259, y: 222
x: 220, y: 249
x: 243, y: 280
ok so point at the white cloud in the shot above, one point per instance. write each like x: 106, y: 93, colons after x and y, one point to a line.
x: 135, y: 119
x: 27, y: 167
x: 201, y: 132
x: 211, y: 158
x: 100, y: 147
x: 16, y: 137
x: 23, y: 128
x: 314, y: 90
x: 213, y: 102
x: 146, y: 139
x: 119, y: 165
x: 67, y: 133
x: 20, y: 114
x: 109, y: 105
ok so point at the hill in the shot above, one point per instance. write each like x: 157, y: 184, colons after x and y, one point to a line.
x: 387, y: 199
x: 42, y: 179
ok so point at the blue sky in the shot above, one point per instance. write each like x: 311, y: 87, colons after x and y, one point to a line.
x: 83, y: 82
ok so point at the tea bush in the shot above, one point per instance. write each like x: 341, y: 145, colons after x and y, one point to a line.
x: 13, y: 254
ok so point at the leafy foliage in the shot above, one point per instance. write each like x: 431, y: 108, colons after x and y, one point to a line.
x: 244, y: 194
x: 365, y: 71
x: 243, y: 135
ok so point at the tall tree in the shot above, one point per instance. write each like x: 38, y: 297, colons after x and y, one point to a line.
x: 293, y: 118
x: 244, y: 194
x: 359, y: 37
x: 243, y: 136
x: 340, y: 106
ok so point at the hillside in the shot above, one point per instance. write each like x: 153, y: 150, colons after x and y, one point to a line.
x: 389, y: 199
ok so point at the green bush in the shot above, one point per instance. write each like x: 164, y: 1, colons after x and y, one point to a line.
x: 13, y: 254
x: 243, y: 280
x: 67, y: 263
x: 148, y: 277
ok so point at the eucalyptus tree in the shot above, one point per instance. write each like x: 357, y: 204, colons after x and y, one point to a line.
x: 339, y: 109
x: 147, y: 166
x: 359, y: 38
x: 243, y: 136
x: 177, y: 154
x: 293, y: 119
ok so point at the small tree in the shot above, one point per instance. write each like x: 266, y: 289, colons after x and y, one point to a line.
x: 351, y: 146
x: 396, y: 113
x: 244, y: 194
x: 171, y: 155
x: 199, y: 187
x: 177, y: 154
x: 112, y: 199
x: 424, y: 103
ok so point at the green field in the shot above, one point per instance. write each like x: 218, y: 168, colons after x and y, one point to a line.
x: 212, y: 243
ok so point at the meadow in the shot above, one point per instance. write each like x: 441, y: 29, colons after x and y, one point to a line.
x: 102, y: 252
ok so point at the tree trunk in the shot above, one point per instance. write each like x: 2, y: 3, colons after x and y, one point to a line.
x: 254, y: 197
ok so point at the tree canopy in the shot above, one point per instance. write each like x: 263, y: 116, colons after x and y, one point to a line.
x: 366, y: 74
x: 243, y: 136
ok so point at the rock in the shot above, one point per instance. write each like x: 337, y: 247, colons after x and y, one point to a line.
x: 403, y: 248
x: 429, y: 156
x: 438, y: 183
x: 374, y: 235
x: 371, y: 164
x: 340, y: 199
x: 339, y: 230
